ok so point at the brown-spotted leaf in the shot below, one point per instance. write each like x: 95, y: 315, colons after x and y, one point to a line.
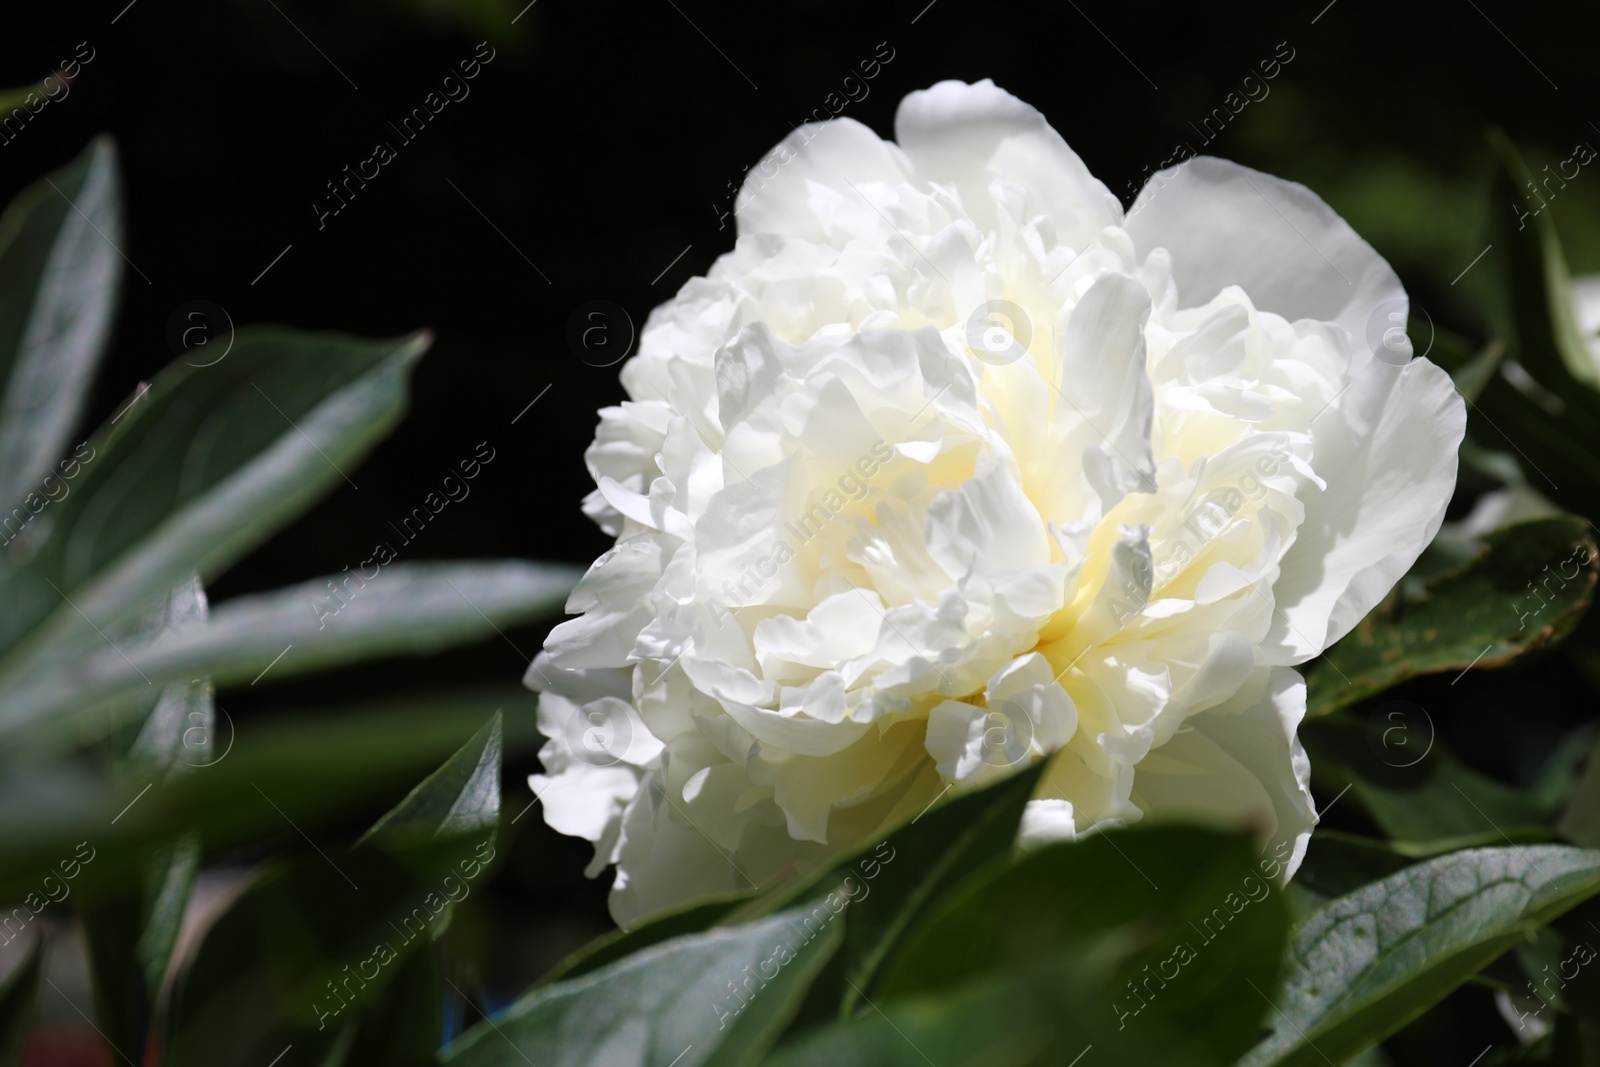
x: 1528, y: 588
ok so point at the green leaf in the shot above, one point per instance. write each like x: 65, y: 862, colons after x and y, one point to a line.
x: 618, y: 944
x: 130, y: 925
x: 1545, y: 334
x: 719, y: 997
x: 461, y: 797
x: 1366, y: 964
x: 59, y: 270
x: 1338, y: 863
x: 407, y: 608
x: 1041, y: 1015
x: 1469, y: 366
x: 179, y: 728
x: 1419, y: 792
x: 304, y: 951
x: 313, y: 769
x: 256, y: 986
x: 1180, y: 922
x: 900, y: 877
x: 1528, y: 588
x: 404, y: 1027
x: 191, y: 474
x: 1546, y: 409
x: 19, y: 1003
x: 1580, y: 822
x: 990, y: 1022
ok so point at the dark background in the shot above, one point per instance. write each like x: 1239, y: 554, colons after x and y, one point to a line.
x: 599, y: 145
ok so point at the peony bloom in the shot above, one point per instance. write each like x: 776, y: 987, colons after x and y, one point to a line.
x: 1586, y: 309
x: 951, y: 466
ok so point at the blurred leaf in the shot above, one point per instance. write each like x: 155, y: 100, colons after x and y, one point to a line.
x: 1581, y: 820
x: 316, y: 942
x: 11, y: 99
x: 1482, y: 615
x: 899, y: 879
x: 404, y: 1027
x: 315, y: 771
x: 1338, y: 863
x: 413, y: 608
x: 1545, y: 336
x: 1365, y: 965
x: 1469, y: 366
x: 251, y: 990
x: 59, y: 270
x: 19, y: 1003
x: 1146, y: 902
x: 992, y: 1021
x: 618, y: 944
x: 1419, y: 793
x: 1545, y: 406
x: 461, y: 797
x: 179, y: 728
x: 193, y: 472
x: 131, y: 924
x: 717, y: 997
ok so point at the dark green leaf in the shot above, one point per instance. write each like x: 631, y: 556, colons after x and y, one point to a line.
x: 461, y: 797
x: 1414, y: 787
x: 1368, y: 963
x: 314, y: 770
x: 410, y: 608
x: 1527, y: 589
x: 717, y: 997
x: 59, y: 269
x: 190, y: 475
x: 1180, y: 921
x: 898, y: 879
x: 302, y: 954
x: 403, y: 1029
x: 622, y: 943
x: 1338, y: 863
x: 1549, y: 414
x: 131, y: 925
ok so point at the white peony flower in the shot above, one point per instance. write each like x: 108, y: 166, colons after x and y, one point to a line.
x: 951, y: 466
x: 1586, y: 309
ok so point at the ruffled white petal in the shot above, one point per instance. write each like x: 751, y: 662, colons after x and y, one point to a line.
x: 1227, y: 225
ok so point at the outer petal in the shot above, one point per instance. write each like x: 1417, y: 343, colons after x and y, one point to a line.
x: 779, y: 195
x: 1388, y: 453
x: 1241, y: 763
x: 1229, y: 225
x: 965, y: 135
